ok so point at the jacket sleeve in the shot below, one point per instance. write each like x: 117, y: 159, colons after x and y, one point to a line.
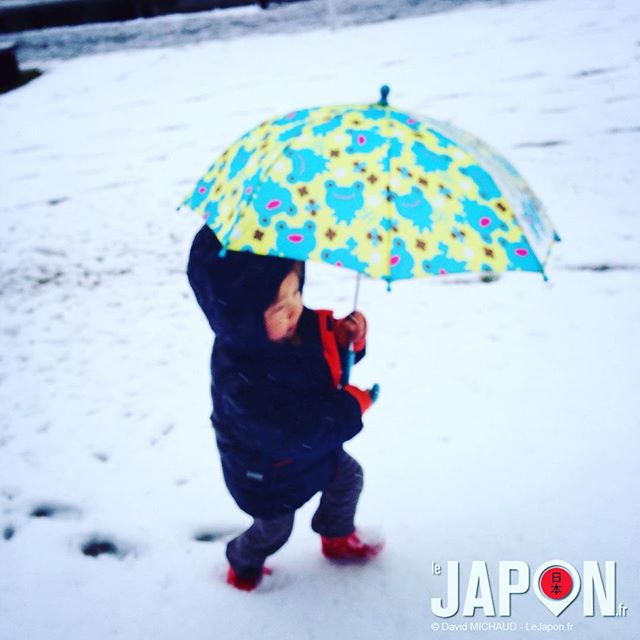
x: 335, y: 355
x: 281, y: 425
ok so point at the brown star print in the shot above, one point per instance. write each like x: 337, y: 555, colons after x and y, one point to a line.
x: 303, y: 191
x: 258, y: 235
x: 372, y: 179
x: 424, y: 182
x: 421, y: 244
x: 334, y: 153
x: 331, y: 234
x: 488, y: 252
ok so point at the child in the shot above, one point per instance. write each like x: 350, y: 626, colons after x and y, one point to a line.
x: 279, y: 413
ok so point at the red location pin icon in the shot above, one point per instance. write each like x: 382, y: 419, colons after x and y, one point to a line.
x: 556, y: 584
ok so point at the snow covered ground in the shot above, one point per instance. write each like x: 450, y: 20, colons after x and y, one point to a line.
x: 507, y: 427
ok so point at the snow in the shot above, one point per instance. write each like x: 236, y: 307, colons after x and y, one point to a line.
x: 507, y: 427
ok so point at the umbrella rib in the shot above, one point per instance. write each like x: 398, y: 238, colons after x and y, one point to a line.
x: 387, y: 121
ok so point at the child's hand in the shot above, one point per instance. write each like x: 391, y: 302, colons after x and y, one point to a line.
x: 351, y: 330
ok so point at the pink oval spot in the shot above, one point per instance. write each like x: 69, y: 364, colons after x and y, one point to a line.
x: 361, y: 139
x: 291, y: 115
x: 248, y: 190
x: 485, y: 222
x: 522, y: 252
x: 442, y: 271
x: 295, y: 237
x: 273, y: 204
x: 339, y: 264
x: 394, y: 260
x: 202, y: 190
x: 412, y: 121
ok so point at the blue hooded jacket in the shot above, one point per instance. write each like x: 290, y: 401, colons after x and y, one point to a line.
x: 280, y: 420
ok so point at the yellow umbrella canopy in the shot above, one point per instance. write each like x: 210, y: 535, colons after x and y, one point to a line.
x: 376, y: 190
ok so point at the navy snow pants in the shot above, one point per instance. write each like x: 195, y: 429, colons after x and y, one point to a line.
x: 333, y: 518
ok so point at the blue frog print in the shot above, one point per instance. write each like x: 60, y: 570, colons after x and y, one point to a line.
x: 487, y: 188
x: 481, y: 218
x: 271, y: 199
x: 395, y: 151
x: 290, y: 118
x: 401, y: 261
x: 345, y: 201
x: 295, y: 242
x: 374, y: 113
x: 343, y: 257
x: 365, y: 140
x: 406, y: 120
x: 305, y: 165
x: 442, y: 264
x: 520, y: 255
x: 249, y: 187
x: 443, y: 141
x: 291, y: 133
x: 200, y: 193
x: 414, y: 207
x: 327, y: 127
x: 211, y: 210
x: 239, y: 162
x: 429, y: 160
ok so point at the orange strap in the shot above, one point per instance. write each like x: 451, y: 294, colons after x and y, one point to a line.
x: 329, y: 344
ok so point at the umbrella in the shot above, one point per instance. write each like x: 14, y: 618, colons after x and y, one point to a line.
x: 375, y: 190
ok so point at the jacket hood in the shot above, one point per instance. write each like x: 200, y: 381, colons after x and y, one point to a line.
x: 234, y: 291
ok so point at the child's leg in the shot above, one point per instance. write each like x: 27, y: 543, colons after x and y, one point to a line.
x: 336, y: 512
x: 250, y: 549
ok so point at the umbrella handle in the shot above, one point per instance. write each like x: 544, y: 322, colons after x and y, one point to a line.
x: 348, y: 360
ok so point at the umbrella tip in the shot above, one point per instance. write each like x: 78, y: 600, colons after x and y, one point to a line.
x: 384, y: 94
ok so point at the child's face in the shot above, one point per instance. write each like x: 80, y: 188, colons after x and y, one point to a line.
x: 281, y: 318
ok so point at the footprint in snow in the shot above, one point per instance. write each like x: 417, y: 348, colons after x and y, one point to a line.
x: 98, y: 545
x: 55, y: 510
x: 215, y: 535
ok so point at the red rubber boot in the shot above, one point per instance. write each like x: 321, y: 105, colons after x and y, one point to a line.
x: 246, y: 584
x: 350, y: 547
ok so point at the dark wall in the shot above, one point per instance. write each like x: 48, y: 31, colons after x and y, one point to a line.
x: 73, y: 12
